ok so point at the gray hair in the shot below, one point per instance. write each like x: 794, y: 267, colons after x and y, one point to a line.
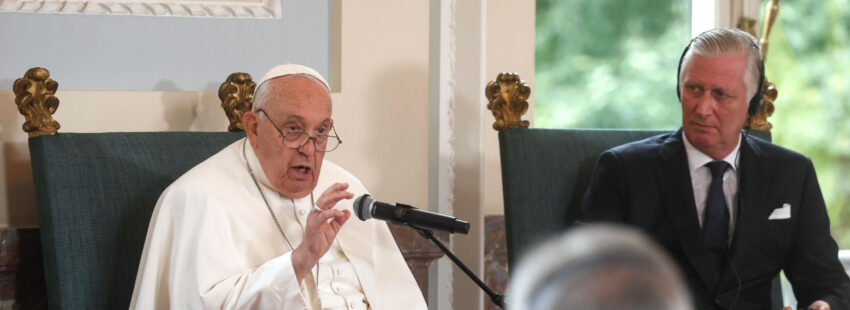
x: 723, y: 42
x: 598, y: 267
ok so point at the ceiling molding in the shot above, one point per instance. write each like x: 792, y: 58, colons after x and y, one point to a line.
x: 175, y: 8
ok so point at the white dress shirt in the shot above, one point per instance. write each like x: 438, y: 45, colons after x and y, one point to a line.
x: 701, y: 180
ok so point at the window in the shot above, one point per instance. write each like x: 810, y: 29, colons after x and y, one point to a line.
x: 609, y: 63
x: 809, y: 61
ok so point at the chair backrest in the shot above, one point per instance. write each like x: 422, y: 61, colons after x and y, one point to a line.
x: 545, y: 173
x: 95, y: 193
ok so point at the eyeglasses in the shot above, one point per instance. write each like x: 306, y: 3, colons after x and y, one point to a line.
x: 294, y: 138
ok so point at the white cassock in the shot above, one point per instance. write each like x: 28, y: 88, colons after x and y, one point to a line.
x: 213, y: 244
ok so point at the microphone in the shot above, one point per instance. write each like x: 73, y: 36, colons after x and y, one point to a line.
x: 401, y: 214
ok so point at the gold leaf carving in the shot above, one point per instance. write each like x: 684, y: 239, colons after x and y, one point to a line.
x: 771, y: 10
x: 507, y: 97
x: 759, y: 120
x: 34, y: 96
x: 237, y: 97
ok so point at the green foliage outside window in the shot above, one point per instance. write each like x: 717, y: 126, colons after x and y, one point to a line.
x: 809, y: 61
x: 609, y: 63
x: 612, y: 64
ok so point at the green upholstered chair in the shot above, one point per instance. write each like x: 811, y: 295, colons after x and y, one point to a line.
x: 545, y: 172
x: 95, y: 194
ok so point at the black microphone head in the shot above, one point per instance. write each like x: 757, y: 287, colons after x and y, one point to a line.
x: 363, y: 207
x: 460, y: 226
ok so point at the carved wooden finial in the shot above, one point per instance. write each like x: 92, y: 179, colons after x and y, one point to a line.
x: 237, y: 97
x: 507, y: 97
x: 759, y: 120
x: 34, y: 96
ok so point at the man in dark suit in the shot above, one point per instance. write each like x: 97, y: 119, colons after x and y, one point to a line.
x: 732, y: 210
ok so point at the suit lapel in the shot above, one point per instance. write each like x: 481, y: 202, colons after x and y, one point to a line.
x: 677, y: 193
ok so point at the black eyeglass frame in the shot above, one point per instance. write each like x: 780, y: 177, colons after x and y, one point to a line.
x: 303, y: 133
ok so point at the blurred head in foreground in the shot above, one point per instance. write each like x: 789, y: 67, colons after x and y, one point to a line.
x: 594, y: 268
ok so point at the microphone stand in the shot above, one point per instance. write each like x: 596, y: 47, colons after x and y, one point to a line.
x: 497, y: 298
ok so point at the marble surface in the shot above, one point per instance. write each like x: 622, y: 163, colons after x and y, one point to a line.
x: 495, y: 257
x: 22, y: 283
x: 418, y: 252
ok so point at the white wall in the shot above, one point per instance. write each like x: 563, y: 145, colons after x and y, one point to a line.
x: 510, y: 48
x: 503, y: 37
x: 382, y: 109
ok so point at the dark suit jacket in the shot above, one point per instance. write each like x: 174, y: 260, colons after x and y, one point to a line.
x: 647, y: 184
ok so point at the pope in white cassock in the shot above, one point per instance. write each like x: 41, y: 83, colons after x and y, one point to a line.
x: 263, y: 224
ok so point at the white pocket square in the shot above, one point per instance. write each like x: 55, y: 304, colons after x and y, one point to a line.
x: 781, y: 213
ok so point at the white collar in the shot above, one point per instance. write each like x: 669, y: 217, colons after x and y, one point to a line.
x: 255, y: 166
x: 697, y: 158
